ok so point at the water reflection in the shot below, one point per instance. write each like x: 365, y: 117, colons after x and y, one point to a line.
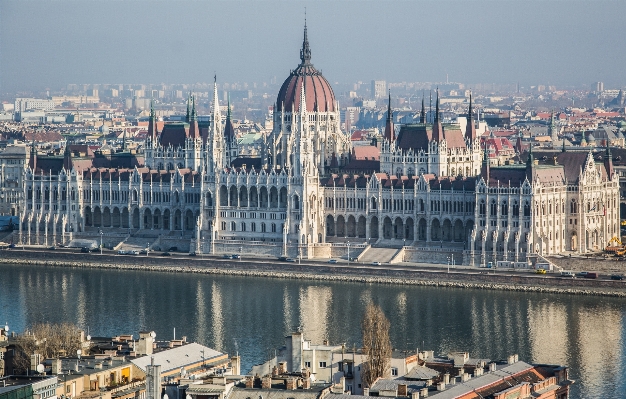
x: 252, y: 316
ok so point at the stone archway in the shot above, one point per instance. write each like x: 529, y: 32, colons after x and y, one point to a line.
x: 360, y: 227
x: 341, y: 226
x: 351, y: 226
x: 387, y: 228
x: 330, y: 226
x: 409, y: 229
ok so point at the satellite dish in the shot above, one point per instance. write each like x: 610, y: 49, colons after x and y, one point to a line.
x: 165, y: 396
x: 153, y: 335
x: 88, y: 337
x: 188, y: 396
x: 79, y: 352
x: 40, y: 368
x: 183, y: 372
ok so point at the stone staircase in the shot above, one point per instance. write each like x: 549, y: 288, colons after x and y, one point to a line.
x: 377, y: 254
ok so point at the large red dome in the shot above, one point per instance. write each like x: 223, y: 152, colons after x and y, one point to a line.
x: 319, y: 94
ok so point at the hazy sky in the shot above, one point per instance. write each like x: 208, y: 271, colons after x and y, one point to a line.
x: 52, y: 43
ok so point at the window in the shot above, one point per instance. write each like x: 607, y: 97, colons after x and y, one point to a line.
x: 307, y: 365
x: 322, y: 364
x: 394, y: 371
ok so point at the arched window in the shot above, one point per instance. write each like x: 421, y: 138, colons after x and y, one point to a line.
x: 233, y: 226
x: 515, y: 209
x: 481, y: 208
x: 527, y: 209
x: 263, y: 228
x: 243, y: 226
x: 505, y: 209
x: 273, y: 227
x: 494, y: 208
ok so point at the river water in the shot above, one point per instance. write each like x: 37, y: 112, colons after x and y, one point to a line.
x: 252, y: 316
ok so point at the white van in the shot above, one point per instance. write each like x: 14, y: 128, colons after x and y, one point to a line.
x: 567, y: 273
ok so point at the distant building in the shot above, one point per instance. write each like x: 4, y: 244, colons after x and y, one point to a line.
x: 379, y: 89
x: 24, y: 104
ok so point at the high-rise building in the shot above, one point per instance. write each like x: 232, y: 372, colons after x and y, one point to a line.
x: 379, y: 89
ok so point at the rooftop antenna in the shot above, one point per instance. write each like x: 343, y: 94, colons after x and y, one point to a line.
x: 174, y: 333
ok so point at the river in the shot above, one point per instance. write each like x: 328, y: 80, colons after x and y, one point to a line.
x: 252, y: 316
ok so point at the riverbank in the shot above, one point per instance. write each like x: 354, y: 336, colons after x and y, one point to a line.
x: 387, y: 274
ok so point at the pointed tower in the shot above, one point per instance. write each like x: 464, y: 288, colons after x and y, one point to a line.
x: 188, y: 115
x: 32, y: 163
x: 67, y: 158
x: 470, y: 129
x: 553, y: 129
x: 484, y: 171
x: 229, y: 138
x: 423, y: 112
x: 305, y: 52
x: 608, y: 162
x: 152, y: 128
x: 215, y: 141
x: 437, y: 128
x: 194, y: 131
x: 389, y: 133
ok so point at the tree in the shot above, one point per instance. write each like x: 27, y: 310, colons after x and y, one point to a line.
x: 376, y: 345
x: 48, y: 340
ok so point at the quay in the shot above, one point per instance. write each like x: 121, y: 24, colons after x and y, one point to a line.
x: 401, y: 274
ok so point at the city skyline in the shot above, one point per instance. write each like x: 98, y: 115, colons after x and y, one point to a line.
x: 112, y: 42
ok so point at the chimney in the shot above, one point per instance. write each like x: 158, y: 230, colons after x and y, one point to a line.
x: 492, y: 367
x: 461, y: 370
x: 366, y: 392
x: 415, y: 395
x: 478, y: 371
x: 441, y: 386
x: 466, y: 377
x: 56, y: 366
x: 274, y: 371
x: 516, y: 358
x: 424, y: 393
x: 402, y: 390
x: 446, y: 378
x: 282, y: 367
x: 306, y: 383
x: 250, y: 382
x: 291, y: 384
x: 266, y: 382
x: 511, y: 359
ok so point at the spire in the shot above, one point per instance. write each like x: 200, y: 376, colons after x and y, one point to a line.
x: 194, y: 131
x: 216, y: 117
x: 553, y: 130
x: 229, y: 130
x: 563, y: 149
x: 470, y: 129
x: 389, y: 134
x: 67, y: 157
x: 305, y: 52
x: 152, y: 129
x: 531, y: 159
x: 485, y: 167
x: 608, y: 162
x: 302, y: 108
x: 33, y: 157
x: 437, y: 129
x: 188, y: 116
x: 423, y: 113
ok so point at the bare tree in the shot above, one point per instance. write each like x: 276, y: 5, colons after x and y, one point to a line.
x: 376, y: 345
x: 48, y: 340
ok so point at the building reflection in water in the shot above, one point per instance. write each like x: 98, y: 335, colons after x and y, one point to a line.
x: 201, y: 321
x: 217, y: 318
x: 315, y: 303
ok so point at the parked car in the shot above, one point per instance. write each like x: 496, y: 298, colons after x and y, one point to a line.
x: 290, y: 260
x: 165, y: 254
x: 567, y: 273
x: 52, y: 247
x: 376, y: 263
x: 235, y: 256
x: 11, y: 245
x: 332, y: 261
x: 591, y: 275
x: 84, y: 250
x: 133, y: 252
x: 173, y: 249
x: 581, y: 274
x: 192, y: 254
x: 540, y: 271
x: 226, y: 257
x: 617, y: 277
x: 121, y: 252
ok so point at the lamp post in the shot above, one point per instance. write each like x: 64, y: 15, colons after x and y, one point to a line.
x: 240, y: 252
x: 448, y: 264
x: 101, y: 234
x: 348, y: 243
x: 147, y: 249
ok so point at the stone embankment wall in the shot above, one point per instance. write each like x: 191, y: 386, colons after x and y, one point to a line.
x: 321, y: 271
x: 610, y: 265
